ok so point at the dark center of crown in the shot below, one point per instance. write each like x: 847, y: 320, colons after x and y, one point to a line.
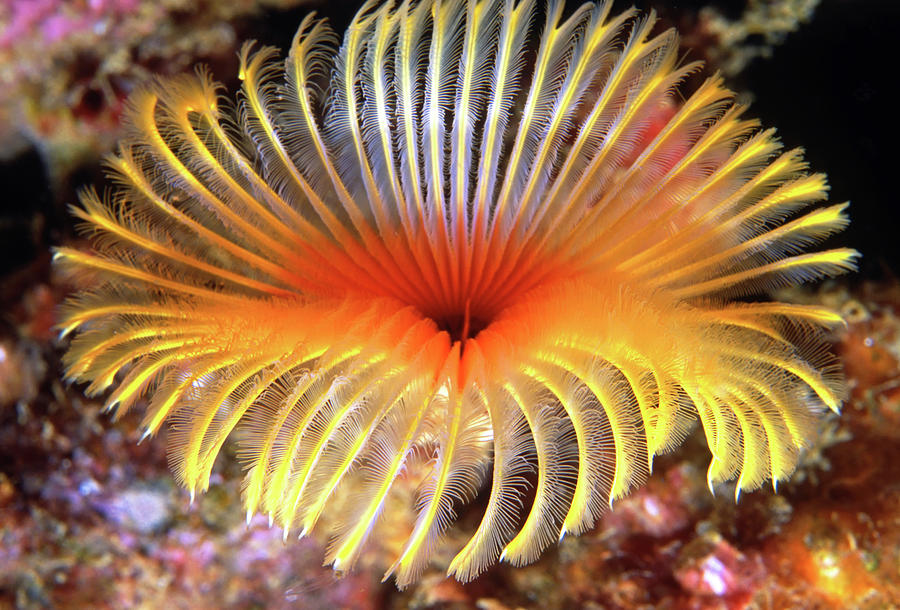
x: 457, y: 328
x: 461, y: 326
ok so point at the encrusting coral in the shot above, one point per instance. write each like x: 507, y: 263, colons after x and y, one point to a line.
x: 473, y: 236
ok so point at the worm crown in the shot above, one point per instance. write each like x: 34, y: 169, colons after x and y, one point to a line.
x: 474, y: 242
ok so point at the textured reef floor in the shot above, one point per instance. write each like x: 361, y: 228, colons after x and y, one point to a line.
x: 91, y: 518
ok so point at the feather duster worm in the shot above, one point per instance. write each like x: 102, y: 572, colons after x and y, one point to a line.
x: 474, y: 235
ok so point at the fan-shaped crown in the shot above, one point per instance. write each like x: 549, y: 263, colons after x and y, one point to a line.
x: 478, y: 241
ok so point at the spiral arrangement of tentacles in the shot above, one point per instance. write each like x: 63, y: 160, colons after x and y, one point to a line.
x: 475, y: 235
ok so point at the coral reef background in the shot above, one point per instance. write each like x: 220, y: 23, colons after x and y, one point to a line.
x: 89, y: 518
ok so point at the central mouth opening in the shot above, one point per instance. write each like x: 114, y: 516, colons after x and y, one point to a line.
x: 462, y: 323
x: 461, y: 327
